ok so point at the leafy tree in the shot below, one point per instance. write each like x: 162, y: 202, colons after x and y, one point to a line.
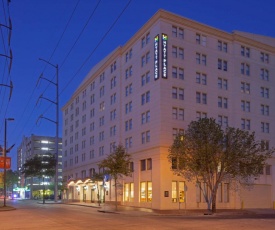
x: 11, y: 179
x: 209, y: 155
x: 40, y: 166
x: 117, y: 165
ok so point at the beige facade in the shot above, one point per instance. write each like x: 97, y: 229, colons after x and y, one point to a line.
x: 142, y: 98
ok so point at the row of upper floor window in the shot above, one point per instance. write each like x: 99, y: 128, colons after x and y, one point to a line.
x: 201, y: 39
x: 201, y: 78
x: 177, y: 114
x: 145, y: 137
x: 177, y: 93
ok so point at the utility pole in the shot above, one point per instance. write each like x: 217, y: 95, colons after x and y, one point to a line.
x: 56, y: 102
x: 5, y: 151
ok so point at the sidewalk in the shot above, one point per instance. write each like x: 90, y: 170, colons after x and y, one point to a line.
x: 110, y: 208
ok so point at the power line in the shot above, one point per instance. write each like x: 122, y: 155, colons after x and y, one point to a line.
x: 98, y: 44
x: 33, y: 91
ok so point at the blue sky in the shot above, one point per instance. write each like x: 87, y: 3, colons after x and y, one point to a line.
x: 39, y: 32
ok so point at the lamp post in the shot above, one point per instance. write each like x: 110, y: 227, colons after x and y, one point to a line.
x: 5, y: 158
x: 56, y: 123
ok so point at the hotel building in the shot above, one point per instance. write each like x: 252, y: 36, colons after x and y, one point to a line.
x: 172, y: 71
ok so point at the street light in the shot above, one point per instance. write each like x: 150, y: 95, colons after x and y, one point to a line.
x: 56, y: 122
x: 5, y: 151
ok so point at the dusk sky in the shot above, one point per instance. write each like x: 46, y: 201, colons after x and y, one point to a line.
x: 77, y: 34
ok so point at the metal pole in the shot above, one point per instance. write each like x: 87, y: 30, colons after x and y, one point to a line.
x: 5, y: 153
x: 56, y: 138
x: 5, y: 158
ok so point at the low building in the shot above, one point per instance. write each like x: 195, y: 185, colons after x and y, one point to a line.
x: 37, y: 145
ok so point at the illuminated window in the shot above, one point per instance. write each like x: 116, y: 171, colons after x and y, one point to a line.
x: 178, y: 191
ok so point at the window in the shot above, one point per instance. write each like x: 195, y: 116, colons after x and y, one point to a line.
x: 245, y: 69
x: 101, y: 121
x: 264, y: 92
x: 113, y: 115
x: 145, y: 137
x: 181, y: 55
x: 201, y: 78
x: 146, y: 191
x: 113, y: 99
x: 177, y: 32
x: 245, y: 87
x: 174, y: 52
x: 268, y: 170
x: 101, y: 91
x: 146, y: 164
x: 128, y: 107
x: 174, y: 31
x: 201, y: 59
x: 245, y: 51
x: 222, y: 64
x: 177, y: 72
x: 223, y: 121
x: 147, y: 57
x: 128, y: 142
x: 93, y: 85
x: 101, y: 150
x: 265, y: 110
x: 201, y: 39
x: 101, y: 136
x: 102, y: 106
x: 222, y: 46
x: 245, y: 124
x: 92, y: 98
x: 176, y: 132
x: 145, y: 117
x: 264, y: 145
x: 265, y: 74
x: 145, y: 78
x: 129, y: 192
x: 178, y: 192
x: 112, y: 131
x: 222, y: 83
x: 113, y: 82
x: 128, y: 89
x: 265, y: 127
x: 177, y: 93
x: 222, y: 102
x: 128, y: 125
x: 264, y: 57
x: 177, y: 113
x: 101, y: 77
x: 245, y: 105
x: 145, y: 98
x: 201, y: 98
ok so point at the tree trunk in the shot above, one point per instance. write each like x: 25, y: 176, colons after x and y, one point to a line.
x: 214, y: 195
x: 116, y: 193
x: 43, y: 191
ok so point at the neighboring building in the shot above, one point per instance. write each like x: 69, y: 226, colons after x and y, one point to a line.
x: 172, y: 71
x: 37, y: 145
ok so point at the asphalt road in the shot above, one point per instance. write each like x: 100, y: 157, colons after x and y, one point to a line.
x: 32, y: 215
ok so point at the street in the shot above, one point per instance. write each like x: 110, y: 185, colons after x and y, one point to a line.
x: 33, y: 215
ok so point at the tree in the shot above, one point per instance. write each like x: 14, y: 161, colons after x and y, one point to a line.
x: 117, y: 165
x: 208, y: 155
x: 40, y: 166
x: 11, y: 179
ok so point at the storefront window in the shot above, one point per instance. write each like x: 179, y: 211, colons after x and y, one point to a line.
x: 149, y: 198
x: 174, y: 192
x: 126, y: 192
x: 131, y: 191
x: 143, y: 192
